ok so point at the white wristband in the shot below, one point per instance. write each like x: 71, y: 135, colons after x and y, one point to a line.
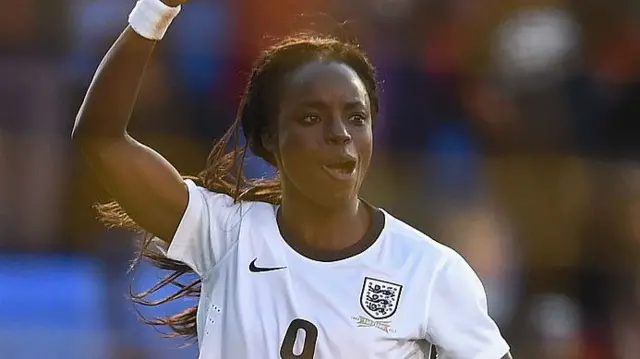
x: 151, y: 18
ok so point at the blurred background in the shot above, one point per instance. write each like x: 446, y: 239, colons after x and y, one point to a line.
x: 510, y: 131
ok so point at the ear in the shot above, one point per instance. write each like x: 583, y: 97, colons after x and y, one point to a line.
x: 268, y: 141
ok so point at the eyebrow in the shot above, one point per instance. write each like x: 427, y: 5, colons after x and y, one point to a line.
x: 321, y: 104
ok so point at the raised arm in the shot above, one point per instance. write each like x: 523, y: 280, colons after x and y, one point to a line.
x: 148, y: 187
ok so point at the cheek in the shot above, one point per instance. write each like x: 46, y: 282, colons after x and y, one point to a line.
x: 295, y: 148
x: 289, y: 139
x: 289, y: 143
x: 365, y: 145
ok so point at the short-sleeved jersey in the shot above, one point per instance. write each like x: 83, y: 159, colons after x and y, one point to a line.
x: 262, y: 299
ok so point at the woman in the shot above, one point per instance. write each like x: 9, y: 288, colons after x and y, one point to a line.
x: 300, y: 266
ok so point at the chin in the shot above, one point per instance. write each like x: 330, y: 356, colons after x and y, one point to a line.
x: 336, y: 198
x: 326, y: 192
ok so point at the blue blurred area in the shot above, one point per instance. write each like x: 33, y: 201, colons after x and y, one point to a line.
x: 51, y: 307
x: 58, y: 307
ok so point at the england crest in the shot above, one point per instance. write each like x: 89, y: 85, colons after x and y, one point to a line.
x: 379, y: 298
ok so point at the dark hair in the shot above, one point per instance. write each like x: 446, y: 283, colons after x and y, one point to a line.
x: 223, y: 172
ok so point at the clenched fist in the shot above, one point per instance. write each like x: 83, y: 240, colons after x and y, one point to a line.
x: 174, y: 2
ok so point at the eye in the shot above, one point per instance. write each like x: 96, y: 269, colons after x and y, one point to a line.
x: 310, y: 119
x: 358, y: 119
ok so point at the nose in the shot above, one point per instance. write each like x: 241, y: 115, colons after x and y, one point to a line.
x: 336, y: 132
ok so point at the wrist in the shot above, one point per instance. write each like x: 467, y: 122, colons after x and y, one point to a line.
x: 151, y: 18
x: 171, y: 3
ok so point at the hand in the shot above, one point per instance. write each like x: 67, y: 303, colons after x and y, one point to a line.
x: 174, y: 3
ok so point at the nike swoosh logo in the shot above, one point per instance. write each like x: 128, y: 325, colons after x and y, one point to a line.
x: 253, y: 268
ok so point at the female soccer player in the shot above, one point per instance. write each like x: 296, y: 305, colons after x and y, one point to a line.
x: 299, y: 266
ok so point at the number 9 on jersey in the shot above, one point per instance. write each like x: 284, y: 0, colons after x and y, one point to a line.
x: 290, y: 337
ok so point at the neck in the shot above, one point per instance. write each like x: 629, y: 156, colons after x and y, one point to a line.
x: 323, y: 228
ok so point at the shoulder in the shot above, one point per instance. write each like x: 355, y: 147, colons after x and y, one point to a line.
x: 218, y: 217
x: 438, y: 266
x: 221, y: 203
x: 211, y: 225
x: 448, y: 294
x: 411, y: 242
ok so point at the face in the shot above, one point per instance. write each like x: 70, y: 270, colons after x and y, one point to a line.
x: 323, y: 140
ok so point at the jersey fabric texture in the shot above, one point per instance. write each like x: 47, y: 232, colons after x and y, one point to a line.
x: 262, y: 299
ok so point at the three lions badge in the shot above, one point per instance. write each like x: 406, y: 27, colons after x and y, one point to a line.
x: 379, y: 299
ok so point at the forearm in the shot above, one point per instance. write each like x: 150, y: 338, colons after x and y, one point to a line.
x: 108, y: 104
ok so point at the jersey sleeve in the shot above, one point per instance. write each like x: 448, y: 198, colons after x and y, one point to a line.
x: 206, y: 231
x: 458, y: 323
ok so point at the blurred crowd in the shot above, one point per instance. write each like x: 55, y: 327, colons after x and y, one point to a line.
x: 509, y: 131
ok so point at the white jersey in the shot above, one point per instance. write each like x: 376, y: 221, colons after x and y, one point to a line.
x: 262, y: 299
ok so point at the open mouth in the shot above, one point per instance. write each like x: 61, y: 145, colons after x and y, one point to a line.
x: 342, y: 169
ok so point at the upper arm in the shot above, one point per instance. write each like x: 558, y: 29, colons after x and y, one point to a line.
x: 148, y: 187
x: 458, y: 323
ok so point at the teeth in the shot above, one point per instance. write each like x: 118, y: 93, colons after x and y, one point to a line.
x: 346, y: 167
